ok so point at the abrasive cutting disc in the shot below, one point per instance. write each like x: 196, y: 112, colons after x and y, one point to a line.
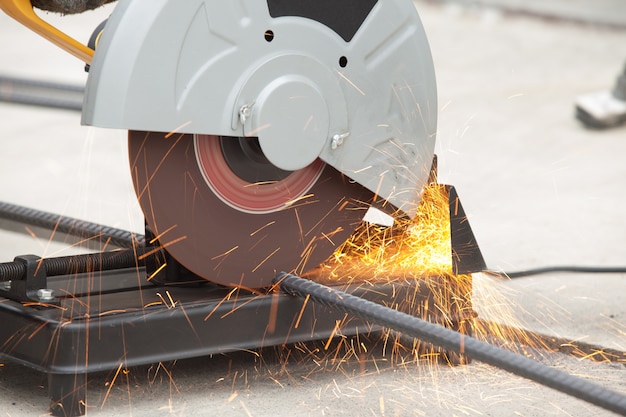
x: 224, y: 212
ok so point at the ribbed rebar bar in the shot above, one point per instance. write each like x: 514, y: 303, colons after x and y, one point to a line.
x: 71, y: 226
x: 458, y: 342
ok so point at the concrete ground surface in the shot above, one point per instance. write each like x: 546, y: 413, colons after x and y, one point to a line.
x: 539, y: 189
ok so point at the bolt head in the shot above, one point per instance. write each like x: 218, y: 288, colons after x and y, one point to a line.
x: 45, y: 294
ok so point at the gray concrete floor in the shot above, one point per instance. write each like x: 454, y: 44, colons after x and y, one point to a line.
x: 538, y: 188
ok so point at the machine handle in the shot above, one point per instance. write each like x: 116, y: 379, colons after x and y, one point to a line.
x: 22, y: 11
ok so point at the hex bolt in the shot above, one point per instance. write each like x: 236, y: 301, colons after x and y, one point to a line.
x: 45, y: 294
x: 338, y: 140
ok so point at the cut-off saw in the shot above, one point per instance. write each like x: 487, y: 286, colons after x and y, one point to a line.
x: 260, y: 134
x: 260, y: 131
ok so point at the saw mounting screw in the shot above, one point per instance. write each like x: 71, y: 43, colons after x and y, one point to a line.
x: 338, y: 139
x: 244, y: 112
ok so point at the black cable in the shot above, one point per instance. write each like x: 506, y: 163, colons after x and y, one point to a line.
x: 71, y: 226
x: 458, y: 342
x: 564, y: 268
x: 41, y: 93
x: 35, y: 83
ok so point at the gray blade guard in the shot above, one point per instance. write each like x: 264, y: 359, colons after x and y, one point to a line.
x: 351, y: 82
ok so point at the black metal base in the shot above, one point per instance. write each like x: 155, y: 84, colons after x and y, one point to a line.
x: 105, y: 320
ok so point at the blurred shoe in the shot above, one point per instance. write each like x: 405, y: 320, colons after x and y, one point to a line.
x: 604, y: 109
x: 600, y: 110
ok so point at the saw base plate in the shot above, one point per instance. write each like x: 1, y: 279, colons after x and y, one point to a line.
x: 116, y: 319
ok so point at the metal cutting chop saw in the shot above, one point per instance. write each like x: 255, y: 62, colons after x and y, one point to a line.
x: 260, y: 131
x: 260, y: 134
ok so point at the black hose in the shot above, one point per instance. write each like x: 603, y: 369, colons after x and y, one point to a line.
x: 455, y: 341
x: 41, y: 93
x: 71, y: 226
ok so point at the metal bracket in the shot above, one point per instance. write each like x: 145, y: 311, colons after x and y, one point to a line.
x: 466, y: 255
x: 33, y: 286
